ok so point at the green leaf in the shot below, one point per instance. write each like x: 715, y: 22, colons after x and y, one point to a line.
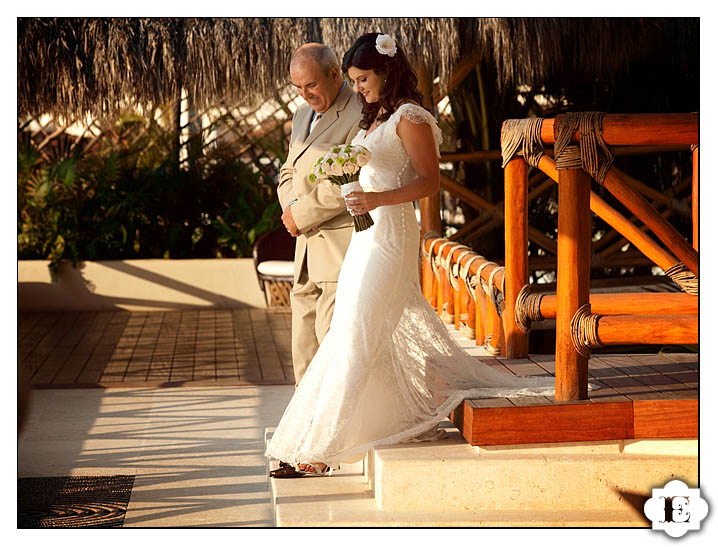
x: 197, y: 235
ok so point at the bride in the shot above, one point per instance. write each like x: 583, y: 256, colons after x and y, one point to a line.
x: 388, y: 370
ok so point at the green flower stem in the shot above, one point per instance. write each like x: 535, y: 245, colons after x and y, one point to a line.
x: 362, y: 222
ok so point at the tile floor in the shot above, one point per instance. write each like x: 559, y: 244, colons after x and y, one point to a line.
x: 197, y: 452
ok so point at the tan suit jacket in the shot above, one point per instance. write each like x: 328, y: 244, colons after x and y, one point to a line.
x: 320, y: 211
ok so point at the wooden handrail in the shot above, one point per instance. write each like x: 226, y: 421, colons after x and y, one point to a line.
x: 638, y: 129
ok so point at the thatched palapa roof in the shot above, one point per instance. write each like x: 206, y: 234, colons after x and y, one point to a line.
x: 78, y: 66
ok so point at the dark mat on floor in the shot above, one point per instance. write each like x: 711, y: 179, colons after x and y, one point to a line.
x: 73, y: 502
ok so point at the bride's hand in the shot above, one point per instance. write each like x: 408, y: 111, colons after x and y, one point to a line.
x: 362, y: 202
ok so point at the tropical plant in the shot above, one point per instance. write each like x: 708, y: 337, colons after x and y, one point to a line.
x: 127, y: 197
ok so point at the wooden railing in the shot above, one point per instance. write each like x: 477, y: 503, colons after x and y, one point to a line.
x: 616, y: 324
x: 490, y: 301
x: 466, y: 289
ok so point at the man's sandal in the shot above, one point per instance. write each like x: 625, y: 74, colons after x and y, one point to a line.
x: 285, y: 471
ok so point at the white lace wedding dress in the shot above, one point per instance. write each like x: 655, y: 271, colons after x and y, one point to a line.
x: 388, y: 369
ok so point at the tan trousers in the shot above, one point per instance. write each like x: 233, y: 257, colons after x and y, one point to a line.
x: 312, y: 308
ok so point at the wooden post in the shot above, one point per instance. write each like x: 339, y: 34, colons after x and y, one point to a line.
x: 459, y: 306
x: 481, y: 318
x: 694, y: 198
x: 448, y: 295
x: 439, y: 283
x: 516, y: 185
x: 471, y: 321
x: 427, y: 278
x: 429, y: 207
x: 572, y: 284
x: 493, y: 324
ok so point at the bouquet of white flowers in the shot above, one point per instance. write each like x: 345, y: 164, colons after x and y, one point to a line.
x: 341, y: 165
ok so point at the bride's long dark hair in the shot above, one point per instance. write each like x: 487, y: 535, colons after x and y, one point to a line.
x: 401, y: 80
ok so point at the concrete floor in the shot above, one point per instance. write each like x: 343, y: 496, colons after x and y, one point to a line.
x: 197, y: 452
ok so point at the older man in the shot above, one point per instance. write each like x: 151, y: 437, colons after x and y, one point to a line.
x: 315, y: 213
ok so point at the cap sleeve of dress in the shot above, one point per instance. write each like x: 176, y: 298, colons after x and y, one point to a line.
x: 417, y: 114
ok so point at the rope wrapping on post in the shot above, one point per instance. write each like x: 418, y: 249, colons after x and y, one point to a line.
x: 587, y: 155
x: 434, y: 259
x: 584, y: 331
x: 528, y: 308
x: 483, y: 284
x: 446, y: 317
x: 488, y: 347
x: 454, y: 275
x: 427, y: 235
x: 470, y: 282
x: 684, y: 278
x: 524, y: 133
x: 497, y: 297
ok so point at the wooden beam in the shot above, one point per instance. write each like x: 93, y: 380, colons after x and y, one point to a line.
x: 498, y: 422
x: 547, y: 424
x: 660, y: 419
x: 638, y: 129
x: 630, y: 304
x: 647, y: 214
x: 644, y: 189
x: 622, y: 260
x: 472, y: 157
x: 632, y: 233
x: 461, y: 70
x: 468, y: 227
x: 464, y: 194
x: 542, y: 240
x: 621, y: 330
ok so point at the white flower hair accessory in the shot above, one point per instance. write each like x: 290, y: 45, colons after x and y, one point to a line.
x: 386, y: 45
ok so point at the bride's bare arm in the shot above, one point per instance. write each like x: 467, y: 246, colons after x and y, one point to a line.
x: 419, y: 145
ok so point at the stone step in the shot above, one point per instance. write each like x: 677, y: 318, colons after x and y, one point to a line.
x: 435, y: 484
x: 589, y: 476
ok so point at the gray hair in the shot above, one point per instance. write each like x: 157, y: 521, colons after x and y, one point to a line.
x: 322, y: 55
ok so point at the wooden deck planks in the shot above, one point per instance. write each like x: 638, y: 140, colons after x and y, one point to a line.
x: 239, y: 346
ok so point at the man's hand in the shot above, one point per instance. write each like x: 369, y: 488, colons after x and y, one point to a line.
x: 289, y: 223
